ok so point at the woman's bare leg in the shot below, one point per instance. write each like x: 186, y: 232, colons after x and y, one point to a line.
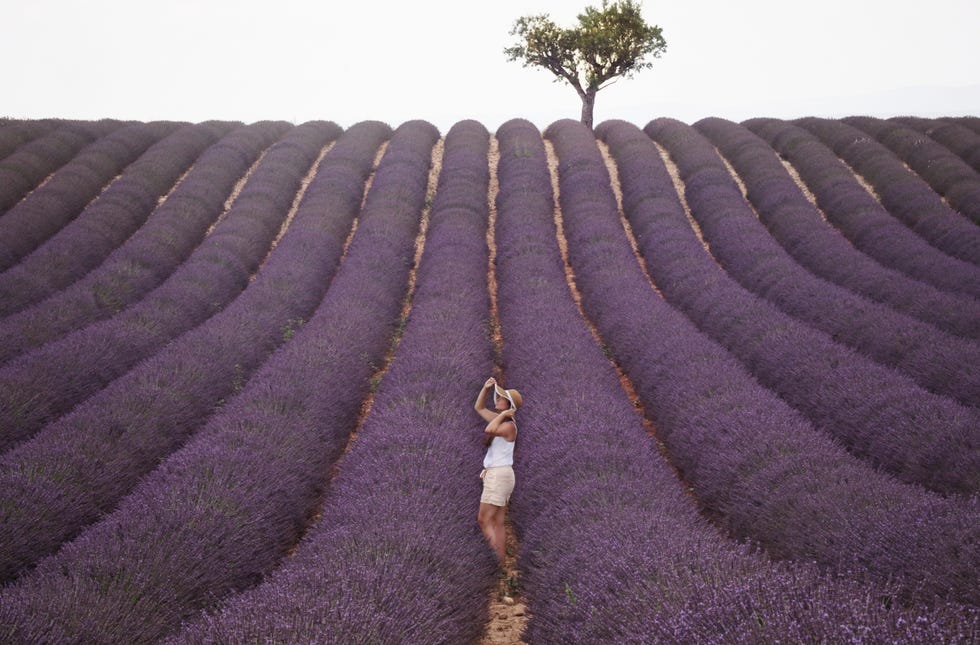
x: 499, y: 532
x: 491, y: 520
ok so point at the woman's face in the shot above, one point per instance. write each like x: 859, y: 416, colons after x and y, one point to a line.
x: 502, y: 404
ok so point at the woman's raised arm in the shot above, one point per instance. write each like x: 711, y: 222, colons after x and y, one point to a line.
x: 502, y: 426
x: 481, y: 401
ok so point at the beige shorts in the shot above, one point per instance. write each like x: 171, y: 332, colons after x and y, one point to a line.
x: 498, y: 484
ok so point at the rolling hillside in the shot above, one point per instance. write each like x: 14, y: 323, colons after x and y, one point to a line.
x: 238, y: 364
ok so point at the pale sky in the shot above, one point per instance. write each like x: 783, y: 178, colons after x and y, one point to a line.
x: 442, y: 61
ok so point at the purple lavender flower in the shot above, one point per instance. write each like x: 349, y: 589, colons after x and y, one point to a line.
x: 755, y: 464
x: 611, y: 546
x: 939, y: 362
x: 959, y: 139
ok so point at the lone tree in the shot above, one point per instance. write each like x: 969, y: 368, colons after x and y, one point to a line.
x: 607, y: 43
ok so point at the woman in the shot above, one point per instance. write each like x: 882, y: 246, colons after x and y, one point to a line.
x: 498, y: 471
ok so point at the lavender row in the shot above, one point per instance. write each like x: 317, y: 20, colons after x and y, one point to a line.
x: 395, y: 555
x: 948, y: 175
x: 222, y: 512
x: 39, y: 386
x: 959, y: 139
x: 161, y: 402
x: 108, y: 220
x: 612, y: 548
x: 799, y: 228
x: 42, y: 213
x: 940, y: 362
x: 906, y: 196
x: 878, y: 413
x: 152, y: 253
x: 17, y: 133
x: 753, y: 462
x: 859, y: 216
x: 27, y: 167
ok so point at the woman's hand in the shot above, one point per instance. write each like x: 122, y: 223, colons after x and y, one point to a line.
x: 480, y: 405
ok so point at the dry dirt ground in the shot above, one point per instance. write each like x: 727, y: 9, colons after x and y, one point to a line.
x: 508, y: 614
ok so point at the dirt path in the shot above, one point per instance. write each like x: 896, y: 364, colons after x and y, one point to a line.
x: 802, y: 186
x: 675, y: 176
x: 236, y: 190
x: 493, y: 159
x: 791, y: 169
x: 508, y: 613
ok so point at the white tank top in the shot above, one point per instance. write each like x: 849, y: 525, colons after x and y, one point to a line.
x: 500, y: 452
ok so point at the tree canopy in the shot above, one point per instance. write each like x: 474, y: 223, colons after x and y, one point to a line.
x: 608, y: 43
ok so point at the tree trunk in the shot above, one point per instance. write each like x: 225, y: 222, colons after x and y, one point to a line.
x: 588, y: 105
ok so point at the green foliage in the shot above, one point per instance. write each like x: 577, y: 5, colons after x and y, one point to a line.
x: 607, y: 43
x: 289, y: 329
x: 570, y: 594
x: 522, y: 151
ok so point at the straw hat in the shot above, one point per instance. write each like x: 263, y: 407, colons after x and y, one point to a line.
x: 511, y: 395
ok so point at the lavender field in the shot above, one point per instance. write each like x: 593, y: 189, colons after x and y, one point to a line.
x: 238, y: 364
